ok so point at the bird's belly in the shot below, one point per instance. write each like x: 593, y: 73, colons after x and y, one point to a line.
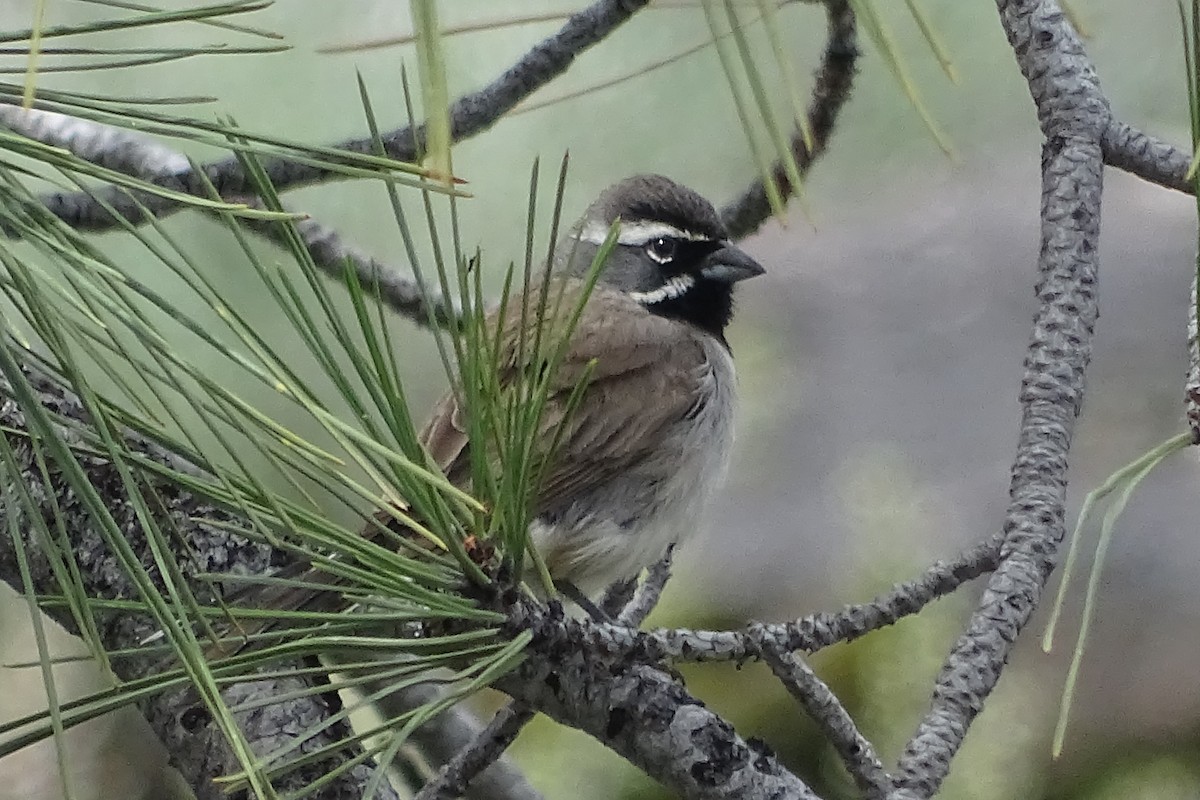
x: 653, y: 504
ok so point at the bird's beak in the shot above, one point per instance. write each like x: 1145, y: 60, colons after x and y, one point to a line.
x: 728, y: 264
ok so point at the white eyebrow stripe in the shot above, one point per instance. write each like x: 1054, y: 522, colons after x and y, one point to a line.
x: 675, y: 287
x: 638, y: 233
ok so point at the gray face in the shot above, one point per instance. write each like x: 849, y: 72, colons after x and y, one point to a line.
x: 672, y: 255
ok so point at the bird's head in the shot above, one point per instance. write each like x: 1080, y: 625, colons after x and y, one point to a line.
x: 673, y: 255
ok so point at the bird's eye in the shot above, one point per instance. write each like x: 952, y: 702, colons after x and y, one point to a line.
x: 661, y: 249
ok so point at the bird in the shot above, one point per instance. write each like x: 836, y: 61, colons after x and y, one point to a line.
x: 647, y: 443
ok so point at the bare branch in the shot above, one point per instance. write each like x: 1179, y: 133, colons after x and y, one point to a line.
x: 135, y: 154
x: 831, y: 90
x: 471, y: 114
x: 1074, y: 116
x: 828, y: 712
x: 1127, y: 148
x: 487, y: 747
x: 502, y: 731
x: 113, y: 148
x: 395, y: 287
x: 816, y: 631
x: 646, y: 597
x: 640, y: 713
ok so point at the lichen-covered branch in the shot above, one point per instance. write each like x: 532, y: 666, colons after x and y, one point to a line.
x: 198, y: 748
x: 641, y: 713
x: 823, y: 707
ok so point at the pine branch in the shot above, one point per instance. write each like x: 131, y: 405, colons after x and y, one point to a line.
x: 470, y: 115
x: 141, y: 156
x: 1073, y: 114
x: 831, y: 89
x: 821, y: 704
x: 198, y: 748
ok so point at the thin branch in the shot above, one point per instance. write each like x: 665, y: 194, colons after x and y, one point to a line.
x: 1073, y: 115
x: 491, y: 742
x: 118, y: 149
x: 470, y: 115
x: 648, y: 593
x: 394, y: 286
x: 617, y: 596
x: 1138, y: 153
x: 822, y: 705
x: 816, y: 631
x: 831, y: 90
x: 136, y: 154
x: 449, y: 738
x: 821, y: 630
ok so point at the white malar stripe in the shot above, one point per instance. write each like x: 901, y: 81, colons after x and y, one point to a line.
x: 675, y: 287
x: 637, y: 233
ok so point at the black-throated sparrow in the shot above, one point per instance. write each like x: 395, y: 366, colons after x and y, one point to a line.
x: 649, y: 439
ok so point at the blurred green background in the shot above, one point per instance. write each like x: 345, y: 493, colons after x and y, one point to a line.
x: 879, y: 360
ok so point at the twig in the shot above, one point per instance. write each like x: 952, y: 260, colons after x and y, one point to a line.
x: 617, y: 596
x: 1073, y: 115
x: 1127, y: 148
x: 1192, y: 386
x: 486, y: 748
x: 646, y: 597
x: 136, y: 154
x: 451, y: 739
x: 471, y: 114
x: 814, y: 632
x: 828, y: 712
x: 398, y: 290
x: 831, y: 90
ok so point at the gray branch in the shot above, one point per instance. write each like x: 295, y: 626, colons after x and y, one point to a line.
x: 641, y: 713
x: 480, y: 756
x: 141, y: 156
x: 1138, y: 153
x: 831, y: 89
x: 198, y: 748
x: 823, y: 707
x: 811, y: 633
x: 1073, y: 115
x: 470, y: 115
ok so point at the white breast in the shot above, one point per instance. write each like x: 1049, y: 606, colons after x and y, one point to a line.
x: 594, y: 552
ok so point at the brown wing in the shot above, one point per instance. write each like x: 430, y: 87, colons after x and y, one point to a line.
x: 645, y: 377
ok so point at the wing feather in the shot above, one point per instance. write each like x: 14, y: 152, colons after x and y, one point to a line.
x: 645, y: 376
